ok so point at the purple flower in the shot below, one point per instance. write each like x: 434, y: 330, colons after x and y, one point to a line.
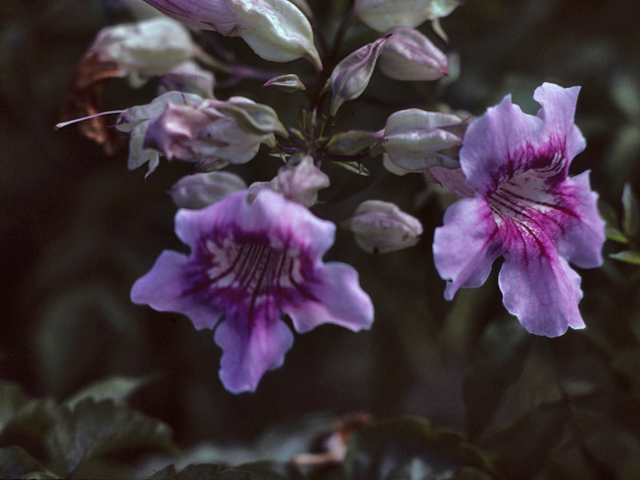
x: 251, y: 262
x: 526, y: 209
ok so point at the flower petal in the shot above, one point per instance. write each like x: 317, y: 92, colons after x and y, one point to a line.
x: 541, y: 289
x: 505, y: 142
x: 466, y: 246
x: 162, y: 288
x: 251, y: 348
x: 583, y: 235
x: 338, y: 299
x: 269, y: 212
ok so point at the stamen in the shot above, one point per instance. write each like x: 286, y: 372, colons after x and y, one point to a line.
x: 64, y: 124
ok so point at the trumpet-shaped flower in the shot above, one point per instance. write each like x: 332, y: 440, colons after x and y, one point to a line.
x: 250, y: 262
x: 524, y: 207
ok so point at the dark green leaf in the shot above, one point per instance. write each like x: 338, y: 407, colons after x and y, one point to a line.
x: 117, y: 387
x: 408, y: 448
x: 15, y: 462
x: 524, y: 448
x: 211, y: 471
x: 631, y: 212
x: 93, y: 429
x: 505, y: 347
x: 12, y: 398
x: 614, y: 234
x: 628, y: 256
x: 628, y: 362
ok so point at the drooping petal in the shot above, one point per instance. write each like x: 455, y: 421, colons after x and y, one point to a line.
x: 337, y: 299
x: 505, y: 142
x: 466, y: 246
x: 164, y: 287
x: 540, y: 288
x: 250, y: 349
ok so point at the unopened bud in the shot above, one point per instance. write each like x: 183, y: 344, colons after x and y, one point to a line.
x: 202, y: 189
x: 416, y: 139
x: 351, y: 76
x: 381, y: 227
x: 409, y: 55
x: 381, y: 15
x: 275, y: 29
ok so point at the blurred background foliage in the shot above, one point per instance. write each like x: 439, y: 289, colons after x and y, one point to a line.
x: 479, y: 397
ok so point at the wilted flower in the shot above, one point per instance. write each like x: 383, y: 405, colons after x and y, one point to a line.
x: 249, y: 263
x: 351, y: 76
x: 526, y: 209
x: 136, y: 120
x: 275, y: 29
x: 143, y: 49
x: 381, y: 227
x: 202, y: 189
x: 409, y: 55
x: 299, y: 183
x: 231, y: 130
x: 415, y: 139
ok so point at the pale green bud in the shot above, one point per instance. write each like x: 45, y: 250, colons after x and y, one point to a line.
x: 409, y: 55
x: 381, y: 227
x: 202, y: 189
x: 351, y: 76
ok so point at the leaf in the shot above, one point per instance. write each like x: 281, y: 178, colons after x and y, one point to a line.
x: 614, y: 234
x: 631, y: 212
x: 524, y: 448
x: 627, y: 256
x: 408, y: 447
x: 117, y: 388
x: 354, y: 167
x: 93, y: 429
x: 12, y: 398
x: 15, y: 462
x: 506, y: 347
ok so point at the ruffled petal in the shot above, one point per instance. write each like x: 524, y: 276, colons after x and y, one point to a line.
x: 557, y: 113
x: 163, y: 288
x: 541, y: 290
x: 583, y: 234
x: 249, y: 349
x: 466, y: 246
x: 269, y: 213
x: 505, y: 142
x: 336, y: 298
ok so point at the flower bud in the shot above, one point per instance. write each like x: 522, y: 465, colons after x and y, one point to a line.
x: 213, y: 129
x: 381, y: 15
x: 381, y: 227
x: 416, y: 139
x: 409, y: 55
x: 275, y: 29
x: 201, y: 189
x: 144, y: 49
x: 351, y: 76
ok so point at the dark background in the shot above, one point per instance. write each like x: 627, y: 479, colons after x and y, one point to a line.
x: 77, y: 228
